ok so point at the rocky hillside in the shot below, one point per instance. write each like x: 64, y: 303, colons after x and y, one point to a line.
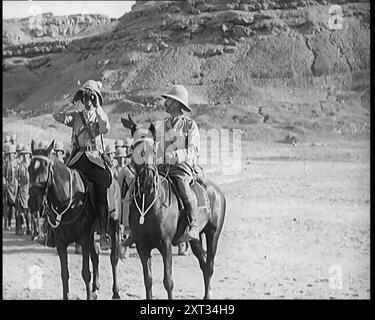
x: 268, y: 67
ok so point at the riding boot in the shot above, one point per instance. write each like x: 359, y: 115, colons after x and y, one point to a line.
x: 105, y: 239
x: 193, y: 219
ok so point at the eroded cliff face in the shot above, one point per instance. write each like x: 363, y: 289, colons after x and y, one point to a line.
x: 47, y: 33
x: 305, y: 55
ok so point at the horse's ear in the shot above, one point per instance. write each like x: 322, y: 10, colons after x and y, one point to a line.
x: 153, y: 131
x: 126, y: 123
x: 131, y: 120
x: 49, y: 149
x: 32, y: 146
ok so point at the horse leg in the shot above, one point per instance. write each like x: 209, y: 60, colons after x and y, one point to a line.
x: 166, y: 251
x: 211, y: 240
x: 94, y: 255
x: 145, y: 255
x: 198, y: 251
x: 63, y: 255
x: 86, y: 274
x: 28, y: 221
x: 114, y: 233
x: 10, y: 215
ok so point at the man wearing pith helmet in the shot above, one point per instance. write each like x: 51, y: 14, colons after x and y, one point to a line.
x: 119, y: 143
x: 13, y: 139
x: 181, y: 149
x: 87, y: 152
x: 59, y: 151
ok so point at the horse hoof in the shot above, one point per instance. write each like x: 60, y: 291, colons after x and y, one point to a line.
x: 116, y: 296
x: 95, y: 295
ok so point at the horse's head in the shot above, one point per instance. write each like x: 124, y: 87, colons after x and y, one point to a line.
x: 144, y: 153
x: 40, y: 172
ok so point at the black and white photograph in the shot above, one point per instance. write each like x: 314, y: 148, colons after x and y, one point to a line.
x: 186, y: 150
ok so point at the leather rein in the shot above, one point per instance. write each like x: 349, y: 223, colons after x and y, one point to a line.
x: 46, y: 186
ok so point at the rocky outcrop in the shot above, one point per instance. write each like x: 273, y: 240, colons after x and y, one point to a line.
x: 47, y: 33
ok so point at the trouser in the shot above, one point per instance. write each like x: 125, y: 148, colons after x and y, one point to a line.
x: 101, y: 179
x: 187, y: 197
x: 182, y: 175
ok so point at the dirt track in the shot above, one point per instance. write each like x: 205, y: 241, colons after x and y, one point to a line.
x: 292, y: 227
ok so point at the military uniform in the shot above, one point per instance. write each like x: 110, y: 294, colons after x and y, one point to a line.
x: 11, y: 184
x: 181, y: 150
x: 23, y: 191
x: 87, y: 149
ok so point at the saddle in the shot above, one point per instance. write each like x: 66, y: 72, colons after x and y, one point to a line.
x: 203, y: 204
x: 113, y: 195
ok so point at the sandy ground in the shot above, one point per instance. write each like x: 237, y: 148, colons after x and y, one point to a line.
x: 297, y: 227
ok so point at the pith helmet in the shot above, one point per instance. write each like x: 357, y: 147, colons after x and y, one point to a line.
x: 11, y: 149
x: 119, y: 143
x: 13, y: 138
x: 26, y: 149
x: 59, y: 146
x: 128, y: 142
x: 7, y: 139
x: 91, y: 85
x: 179, y: 93
x: 120, y: 153
x: 110, y: 149
x: 19, y: 147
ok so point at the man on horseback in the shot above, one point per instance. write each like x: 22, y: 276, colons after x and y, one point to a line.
x: 181, y: 152
x: 87, y: 152
x: 181, y: 145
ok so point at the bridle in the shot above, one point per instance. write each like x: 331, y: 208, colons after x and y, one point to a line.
x: 46, y: 186
x: 142, y: 210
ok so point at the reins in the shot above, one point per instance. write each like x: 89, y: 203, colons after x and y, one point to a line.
x: 48, y: 183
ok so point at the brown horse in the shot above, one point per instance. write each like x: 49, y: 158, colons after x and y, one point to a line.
x: 156, y: 221
x: 70, y: 204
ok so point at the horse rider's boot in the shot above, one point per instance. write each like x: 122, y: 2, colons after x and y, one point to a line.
x: 192, y: 215
x: 187, y: 197
x: 105, y: 239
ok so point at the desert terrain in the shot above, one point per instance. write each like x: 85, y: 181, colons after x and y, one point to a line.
x: 298, y: 217
x: 297, y: 227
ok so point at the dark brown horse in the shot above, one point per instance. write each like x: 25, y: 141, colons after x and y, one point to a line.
x: 156, y: 221
x: 71, y: 212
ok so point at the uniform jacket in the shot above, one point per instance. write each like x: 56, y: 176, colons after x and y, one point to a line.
x: 11, y: 179
x: 89, y: 136
x: 181, y: 137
